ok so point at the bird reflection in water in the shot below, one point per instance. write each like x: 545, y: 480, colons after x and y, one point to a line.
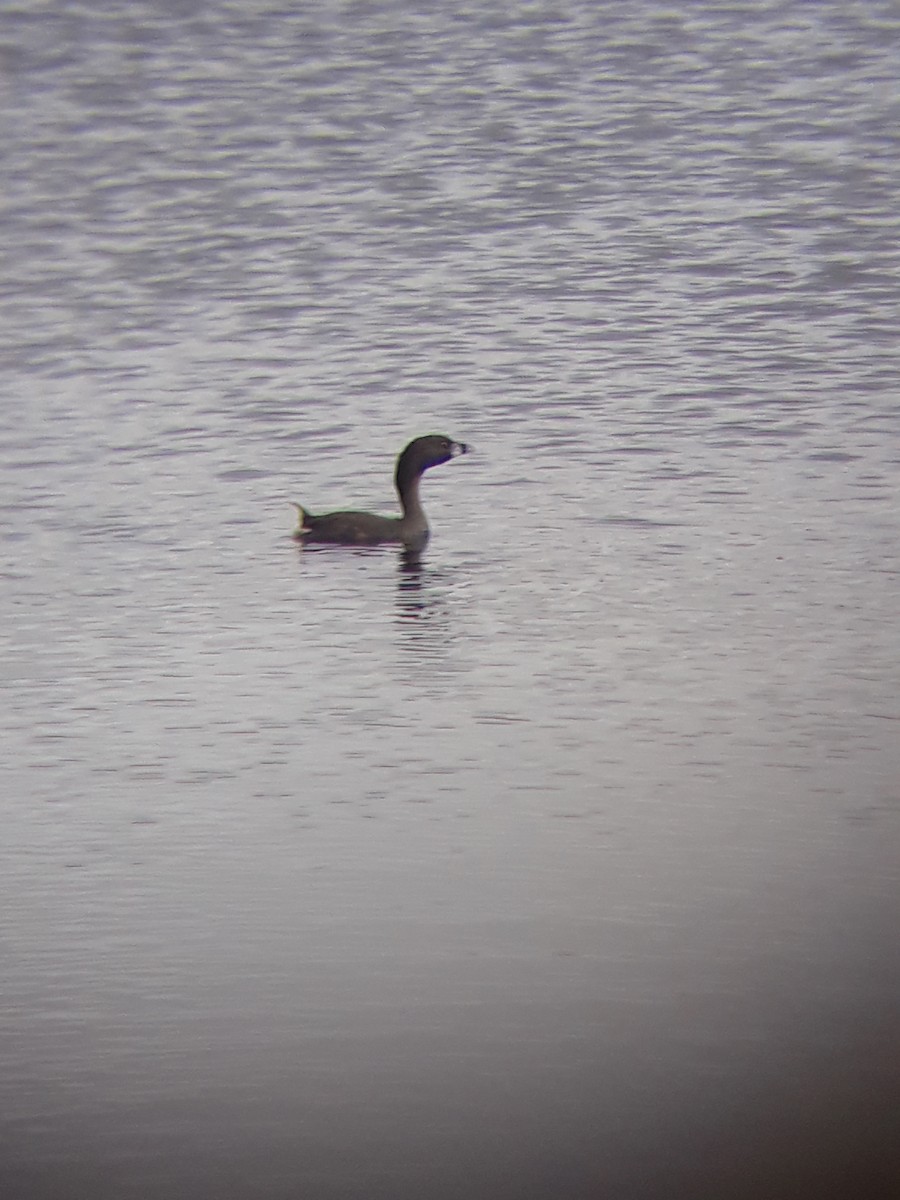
x: 423, y: 609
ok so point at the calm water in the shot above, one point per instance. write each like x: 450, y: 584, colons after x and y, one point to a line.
x: 564, y: 863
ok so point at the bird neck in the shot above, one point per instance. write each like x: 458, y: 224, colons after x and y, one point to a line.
x: 407, y: 481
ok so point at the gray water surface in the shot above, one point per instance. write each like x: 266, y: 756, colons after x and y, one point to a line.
x: 563, y: 862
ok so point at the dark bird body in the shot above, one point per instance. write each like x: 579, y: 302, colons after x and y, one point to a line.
x: 369, y: 529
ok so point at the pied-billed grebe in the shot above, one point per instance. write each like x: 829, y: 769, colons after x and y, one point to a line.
x: 368, y: 529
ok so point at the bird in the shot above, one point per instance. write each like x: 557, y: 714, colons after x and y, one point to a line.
x: 369, y: 529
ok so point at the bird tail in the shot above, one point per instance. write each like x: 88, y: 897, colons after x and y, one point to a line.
x: 302, y: 526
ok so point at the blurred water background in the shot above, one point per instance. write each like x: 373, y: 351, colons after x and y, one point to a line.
x: 564, y: 862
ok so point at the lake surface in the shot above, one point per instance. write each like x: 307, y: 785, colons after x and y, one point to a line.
x: 565, y: 861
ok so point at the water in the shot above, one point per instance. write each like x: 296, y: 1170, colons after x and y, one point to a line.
x: 565, y: 861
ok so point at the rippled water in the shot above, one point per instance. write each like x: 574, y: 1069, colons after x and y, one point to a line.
x: 563, y: 862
